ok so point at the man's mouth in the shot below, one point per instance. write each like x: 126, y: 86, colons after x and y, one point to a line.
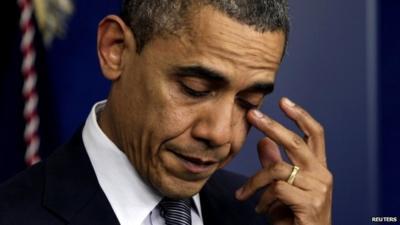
x: 195, y: 164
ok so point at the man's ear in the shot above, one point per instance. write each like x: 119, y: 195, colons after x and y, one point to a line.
x: 114, y: 41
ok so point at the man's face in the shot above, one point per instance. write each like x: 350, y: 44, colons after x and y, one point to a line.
x: 179, y: 108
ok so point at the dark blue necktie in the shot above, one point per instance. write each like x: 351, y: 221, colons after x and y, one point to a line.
x: 176, y: 212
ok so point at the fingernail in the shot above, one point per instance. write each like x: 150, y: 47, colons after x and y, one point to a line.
x: 287, y: 102
x: 257, y: 113
x: 239, y: 192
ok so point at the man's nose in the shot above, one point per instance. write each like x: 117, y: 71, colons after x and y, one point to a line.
x: 214, y: 125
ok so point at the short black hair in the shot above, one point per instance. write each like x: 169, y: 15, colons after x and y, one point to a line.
x: 148, y: 18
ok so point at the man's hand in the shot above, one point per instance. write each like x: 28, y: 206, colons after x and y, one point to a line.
x: 308, y: 200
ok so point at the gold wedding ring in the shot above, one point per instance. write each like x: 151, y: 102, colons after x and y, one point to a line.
x: 292, y: 176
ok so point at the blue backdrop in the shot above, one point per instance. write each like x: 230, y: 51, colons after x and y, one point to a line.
x: 342, y: 65
x: 389, y: 105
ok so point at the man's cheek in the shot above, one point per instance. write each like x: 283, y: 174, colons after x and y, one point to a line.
x: 238, y: 139
x: 241, y: 131
x: 174, y: 121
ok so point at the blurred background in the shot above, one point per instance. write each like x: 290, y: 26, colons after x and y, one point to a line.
x: 342, y: 65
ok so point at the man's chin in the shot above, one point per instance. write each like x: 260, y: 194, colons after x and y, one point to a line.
x: 179, y: 189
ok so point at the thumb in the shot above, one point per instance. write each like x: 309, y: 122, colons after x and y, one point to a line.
x: 268, y: 152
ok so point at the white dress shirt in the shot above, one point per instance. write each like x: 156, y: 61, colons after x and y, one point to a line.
x: 133, y: 201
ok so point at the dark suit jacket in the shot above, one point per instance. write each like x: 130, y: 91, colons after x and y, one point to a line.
x: 64, y: 190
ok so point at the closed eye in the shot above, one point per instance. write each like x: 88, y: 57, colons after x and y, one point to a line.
x: 192, y: 92
x: 246, y: 105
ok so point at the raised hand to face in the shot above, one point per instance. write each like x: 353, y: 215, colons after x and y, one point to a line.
x: 308, y: 199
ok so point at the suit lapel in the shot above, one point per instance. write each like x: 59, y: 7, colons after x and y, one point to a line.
x: 217, y: 206
x: 71, y: 189
x: 209, y: 208
x: 220, y: 207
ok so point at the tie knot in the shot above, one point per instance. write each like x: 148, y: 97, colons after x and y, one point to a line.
x: 176, y: 212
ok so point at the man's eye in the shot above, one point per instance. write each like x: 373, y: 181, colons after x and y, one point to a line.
x: 247, y: 105
x: 194, y: 93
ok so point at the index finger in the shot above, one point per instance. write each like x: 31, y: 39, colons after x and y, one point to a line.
x: 294, y: 145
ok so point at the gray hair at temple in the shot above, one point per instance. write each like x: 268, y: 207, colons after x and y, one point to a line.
x: 148, y: 18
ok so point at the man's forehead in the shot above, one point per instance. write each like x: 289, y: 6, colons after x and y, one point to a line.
x: 213, y: 31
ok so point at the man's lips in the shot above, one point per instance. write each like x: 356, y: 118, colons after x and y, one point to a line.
x: 195, y: 160
x: 195, y: 164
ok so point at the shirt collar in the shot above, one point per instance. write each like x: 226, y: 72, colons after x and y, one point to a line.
x: 130, y: 197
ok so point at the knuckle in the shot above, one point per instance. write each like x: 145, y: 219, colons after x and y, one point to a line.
x: 269, y: 122
x: 296, y: 142
x: 317, y: 203
x: 278, y: 188
x: 326, y: 183
x: 326, y: 176
x: 324, y: 189
x: 274, y: 188
x: 276, y: 168
x: 319, y: 129
x: 329, y: 178
x: 303, y: 112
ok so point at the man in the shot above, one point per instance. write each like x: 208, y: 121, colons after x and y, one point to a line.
x: 187, y: 79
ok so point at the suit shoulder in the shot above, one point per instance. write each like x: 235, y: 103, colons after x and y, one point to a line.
x: 20, y: 193
x: 30, y: 182
x: 27, y: 182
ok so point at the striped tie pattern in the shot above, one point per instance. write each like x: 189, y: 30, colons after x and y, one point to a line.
x: 176, y: 212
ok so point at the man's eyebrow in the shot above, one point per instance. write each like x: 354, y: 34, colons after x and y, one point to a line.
x: 201, y: 72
